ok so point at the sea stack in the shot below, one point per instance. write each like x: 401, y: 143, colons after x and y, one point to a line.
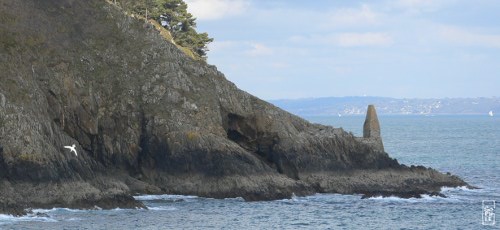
x: 371, y: 129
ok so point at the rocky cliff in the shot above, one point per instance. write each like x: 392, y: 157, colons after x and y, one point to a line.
x: 145, y: 118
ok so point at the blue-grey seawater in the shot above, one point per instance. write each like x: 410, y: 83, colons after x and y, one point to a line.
x: 467, y: 146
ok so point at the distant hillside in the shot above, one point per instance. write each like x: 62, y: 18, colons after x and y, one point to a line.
x: 386, y: 105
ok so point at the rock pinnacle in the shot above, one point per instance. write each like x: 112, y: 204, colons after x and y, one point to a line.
x: 371, y: 129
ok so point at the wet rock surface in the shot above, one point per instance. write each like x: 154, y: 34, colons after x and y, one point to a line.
x: 147, y: 119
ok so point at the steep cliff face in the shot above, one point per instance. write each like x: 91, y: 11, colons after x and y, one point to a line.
x: 147, y: 119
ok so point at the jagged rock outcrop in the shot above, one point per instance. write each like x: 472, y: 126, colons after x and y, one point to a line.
x: 147, y: 119
x: 371, y: 130
x: 371, y: 127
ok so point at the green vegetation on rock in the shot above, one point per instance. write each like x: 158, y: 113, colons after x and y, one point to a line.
x: 173, y: 16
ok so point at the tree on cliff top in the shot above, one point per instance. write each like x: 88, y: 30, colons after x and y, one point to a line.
x: 182, y: 25
x: 173, y: 15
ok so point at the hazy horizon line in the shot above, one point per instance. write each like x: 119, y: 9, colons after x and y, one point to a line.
x: 365, y: 96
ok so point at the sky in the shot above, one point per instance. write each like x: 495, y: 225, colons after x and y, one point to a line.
x: 278, y: 49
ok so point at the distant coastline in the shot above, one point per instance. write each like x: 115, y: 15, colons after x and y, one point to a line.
x: 355, y: 105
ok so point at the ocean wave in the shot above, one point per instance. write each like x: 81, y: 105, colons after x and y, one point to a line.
x: 329, y: 196
x: 73, y: 219
x: 5, y: 219
x: 392, y: 198
x: 425, y: 198
x: 37, y: 210
x: 162, y: 208
x: 235, y: 199
x: 294, y: 199
x: 165, y: 197
x: 460, y: 188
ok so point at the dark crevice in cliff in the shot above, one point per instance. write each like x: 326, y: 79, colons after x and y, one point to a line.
x: 3, y: 167
x: 150, y: 152
x: 243, y: 131
x: 98, y: 152
x: 154, y: 151
x: 143, y: 147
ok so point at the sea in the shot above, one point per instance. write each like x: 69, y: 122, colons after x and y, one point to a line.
x: 467, y: 146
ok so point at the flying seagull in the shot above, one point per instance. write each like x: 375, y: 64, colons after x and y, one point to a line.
x: 72, y: 149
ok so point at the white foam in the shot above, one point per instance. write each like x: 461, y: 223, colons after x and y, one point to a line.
x: 392, y: 198
x: 164, y: 197
x: 294, y: 199
x: 461, y: 188
x: 73, y: 219
x: 235, y: 199
x: 6, y: 218
x: 9, y: 218
x: 330, y: 196
x: 162, y: 208
x: 56, y: 209
x: 122, y: 209
x: 424, y: 198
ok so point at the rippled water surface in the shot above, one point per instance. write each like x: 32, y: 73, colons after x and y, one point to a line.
x: 468, y: 146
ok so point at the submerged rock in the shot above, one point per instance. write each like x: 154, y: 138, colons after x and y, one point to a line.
x: 145, y: 118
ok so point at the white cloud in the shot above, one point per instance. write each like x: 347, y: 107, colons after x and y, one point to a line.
x: 248, y: 48
x: 280, y: 65
x: 340, y: 36
x: 347, y: 39
x: 354, y: 16
x: 222, y: 45
x: 363, y: 39
x: 259, y: 49
x: 419, y: 6
x: 216, y: 9
x: 463, y: 37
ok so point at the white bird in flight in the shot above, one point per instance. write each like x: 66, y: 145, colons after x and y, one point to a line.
x: 72, y: 149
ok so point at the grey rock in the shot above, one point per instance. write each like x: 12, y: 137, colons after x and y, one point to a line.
x: 371, y: 130
x: 147, y: 119
x: 371, y: 127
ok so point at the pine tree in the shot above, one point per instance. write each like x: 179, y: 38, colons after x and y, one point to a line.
x: 180, y: 23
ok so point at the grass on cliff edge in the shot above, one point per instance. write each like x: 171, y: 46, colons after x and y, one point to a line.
x: 163, y: 32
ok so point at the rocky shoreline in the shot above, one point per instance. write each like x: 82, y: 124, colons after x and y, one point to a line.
x: 147, y: 119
